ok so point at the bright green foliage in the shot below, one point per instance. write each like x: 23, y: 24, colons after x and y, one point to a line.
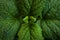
x: 32, y: 19
x: 24, y: 32
x: 32, y: 32
x: 29, y: 19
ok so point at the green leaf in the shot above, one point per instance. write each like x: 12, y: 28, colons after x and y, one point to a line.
x: 32, y: 32
x: 8, y: 7
x: 8, y: 28
x: 52, y: 10
x: 24, y: 32
x: 51, y: 20
x: 30, y: 7
x: 51, y: 29
x: 8, y: 23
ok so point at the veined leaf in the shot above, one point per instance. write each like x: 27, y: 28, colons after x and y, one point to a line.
x: 8, y: 7
x: 8, y: 23
x: 30, y: 7
x: 52, y: 10
x: 51, y: 20
x: 8, y: 28
x: 13, y: 13
x: 32, y: 32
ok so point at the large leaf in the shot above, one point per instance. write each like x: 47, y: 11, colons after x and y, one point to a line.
x: 8, y: 28
x: 33, y: 32
x: 30, y: 7
x: 51, y: 20
x: 8, y: 7
x: 30, y: 31
x: 52, y: 10
x: 8, y: 23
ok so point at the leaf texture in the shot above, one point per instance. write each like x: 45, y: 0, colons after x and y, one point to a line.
x: 8, y: 28
x: 34, y: 32
x: 13, y: 21
x: 8, y: 23
x: 30, y: 7
x: 51, y: 20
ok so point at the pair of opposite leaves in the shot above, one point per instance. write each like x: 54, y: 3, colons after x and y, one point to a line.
x: 30, y: 31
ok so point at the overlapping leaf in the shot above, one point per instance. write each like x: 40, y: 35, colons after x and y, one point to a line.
x: 48, y: 12
x: 8, y: 23
x: 51, y: 20
x: 30, y: 7
x: 30, y: 32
